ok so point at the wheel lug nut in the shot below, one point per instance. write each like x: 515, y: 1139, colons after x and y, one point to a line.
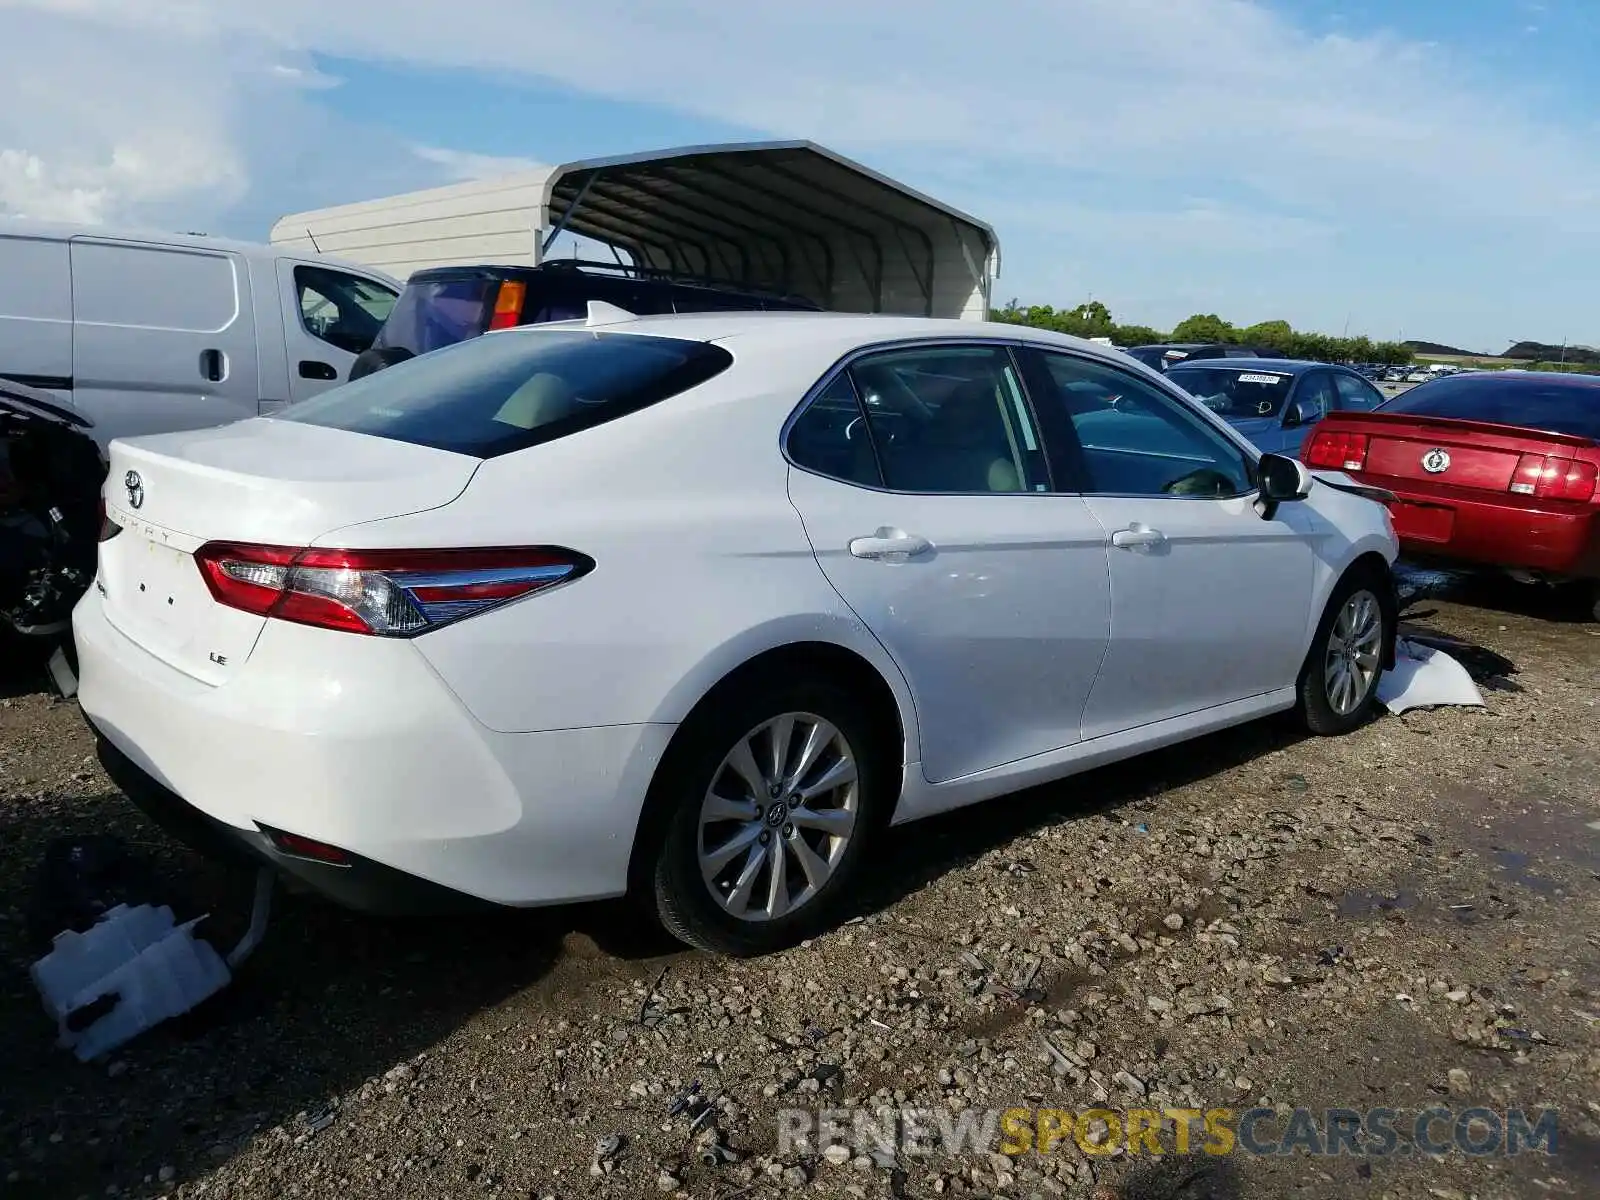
x: 788, y: 831
x: 765, y: 837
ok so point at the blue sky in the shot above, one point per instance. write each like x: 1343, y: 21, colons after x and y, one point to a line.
x: 1420, y: 167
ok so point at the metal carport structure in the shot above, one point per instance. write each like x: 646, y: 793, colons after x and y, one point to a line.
x: 787, y: 216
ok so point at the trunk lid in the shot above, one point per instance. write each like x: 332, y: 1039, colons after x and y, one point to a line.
x: 271, y: 482
x: 1479, y: 455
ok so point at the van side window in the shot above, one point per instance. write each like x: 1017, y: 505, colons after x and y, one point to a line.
x: 343, y: 310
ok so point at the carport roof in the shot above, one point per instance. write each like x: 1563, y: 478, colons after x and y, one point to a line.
x: 738, y: 204
x: 780, y: 215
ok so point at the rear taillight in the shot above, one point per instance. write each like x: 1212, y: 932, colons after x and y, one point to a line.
x: 108, y: 528
x: 1335, y: 450
x: 389, y: 593
x: 1546, y: 477
x: 508, y: 304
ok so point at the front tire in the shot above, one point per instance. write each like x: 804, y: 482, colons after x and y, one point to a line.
x: 1339, y: 681
x: 776, y: 795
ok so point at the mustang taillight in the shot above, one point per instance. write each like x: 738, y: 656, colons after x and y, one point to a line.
x: 1546, y: 477
x: 1333, y: 450
x: 387, y: 593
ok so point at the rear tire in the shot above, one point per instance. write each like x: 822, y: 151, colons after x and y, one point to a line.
x: 1338, y: 683
x: 753, y: 859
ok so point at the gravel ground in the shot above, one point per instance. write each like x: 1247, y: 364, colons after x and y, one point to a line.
x: 1405, y: 917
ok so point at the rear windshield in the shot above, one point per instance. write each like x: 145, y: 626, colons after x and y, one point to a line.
x: 1150, y: 356
x: 1552, y: 405
x: 1233, y: 392
x: 438, y: 312
x: 493, y: 395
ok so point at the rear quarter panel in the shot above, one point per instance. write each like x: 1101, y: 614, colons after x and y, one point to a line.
x: 701, y: 563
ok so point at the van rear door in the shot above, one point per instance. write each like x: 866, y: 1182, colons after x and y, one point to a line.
x: 164, y: 337
x: 36, y: 313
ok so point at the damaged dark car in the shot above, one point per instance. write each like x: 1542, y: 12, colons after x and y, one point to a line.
x: 51, y: 474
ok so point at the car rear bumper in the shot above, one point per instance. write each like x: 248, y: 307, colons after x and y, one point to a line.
x: 357, y: 883
x: 354, y: 742
x: 1451, y: 527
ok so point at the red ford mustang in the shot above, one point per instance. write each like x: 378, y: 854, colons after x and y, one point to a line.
x: 1496, y: 469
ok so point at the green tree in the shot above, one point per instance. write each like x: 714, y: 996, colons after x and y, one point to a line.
x: 1090, y: 319
x: 1269, y: 335
x: 1137, y: 335
x: 1205, y: 327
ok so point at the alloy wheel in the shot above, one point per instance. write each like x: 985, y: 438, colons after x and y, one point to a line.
x: 1350, y: 668
x: 778, y: 816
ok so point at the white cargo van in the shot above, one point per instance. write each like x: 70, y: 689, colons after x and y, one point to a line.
x: 151, y: 332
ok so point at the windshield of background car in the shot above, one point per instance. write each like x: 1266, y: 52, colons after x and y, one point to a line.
x: 1554, y: 406
x: 1233, y: 392
x: 494, y: 395
x: 438, y: 312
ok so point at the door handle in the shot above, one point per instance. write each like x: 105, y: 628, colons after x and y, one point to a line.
x: 310, y: 368
x: 1137, y: 536
x: 890, y: 545
x: 213, y: 365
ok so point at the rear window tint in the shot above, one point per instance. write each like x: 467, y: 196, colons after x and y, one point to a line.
x: 1552, y: 406
x: 494, y: 395
x: 438, y: 312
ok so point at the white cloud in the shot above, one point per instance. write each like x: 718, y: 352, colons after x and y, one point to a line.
x: 463, y: 165
x: 1217, y: 122
x: 1148, y: 89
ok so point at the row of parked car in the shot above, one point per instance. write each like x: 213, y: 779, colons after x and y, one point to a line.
x: 562, y: 601
x: 1489, y: 468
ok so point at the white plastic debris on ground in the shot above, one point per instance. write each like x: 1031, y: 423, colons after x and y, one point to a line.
x: 1424, y: 677
x: 134, y: 969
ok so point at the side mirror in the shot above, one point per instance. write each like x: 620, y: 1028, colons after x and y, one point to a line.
x: 1281, y: 478
x: 1293, y: 415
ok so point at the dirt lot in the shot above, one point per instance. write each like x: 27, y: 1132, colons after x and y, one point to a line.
x: 1403, y: 918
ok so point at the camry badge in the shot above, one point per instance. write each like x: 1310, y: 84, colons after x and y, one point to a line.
x: 1435, y: 461
x: 135, y: 487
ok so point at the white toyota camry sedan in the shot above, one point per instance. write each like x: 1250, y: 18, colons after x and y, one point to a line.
x: 693, y: 608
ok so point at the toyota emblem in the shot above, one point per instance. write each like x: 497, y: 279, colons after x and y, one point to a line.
x: 1436, y: 461
x: 135, y: 487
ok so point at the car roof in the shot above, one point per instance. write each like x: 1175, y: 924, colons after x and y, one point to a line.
x: 1277, y: 366
x: 1573, y: 379
x: 27, y: 227
x: 839, y: 332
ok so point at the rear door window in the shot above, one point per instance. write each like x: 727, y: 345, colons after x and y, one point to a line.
x: 493, y: 396
x: 830, y: 437
x: 951, y: 419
